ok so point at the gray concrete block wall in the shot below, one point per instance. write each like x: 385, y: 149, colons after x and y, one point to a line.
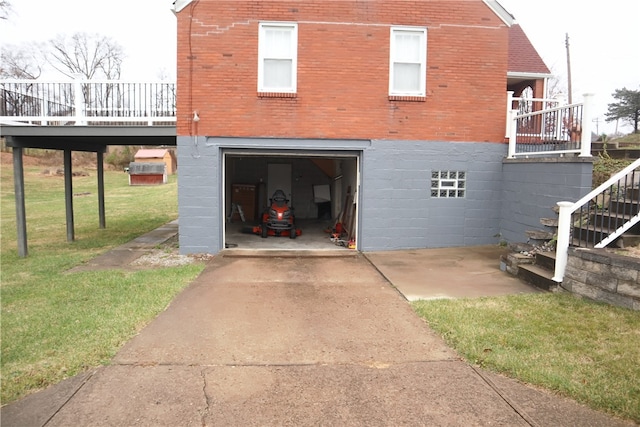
x: 532, y: 187
x: 504, y: 198
x: 397, y: 210
x: 198, y: 197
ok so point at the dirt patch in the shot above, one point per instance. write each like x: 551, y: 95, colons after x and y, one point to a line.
x: 6, y: 159
x: 632, y: 251
x: 51, y: 158
x: 168, y: 255
x: 162, y: 258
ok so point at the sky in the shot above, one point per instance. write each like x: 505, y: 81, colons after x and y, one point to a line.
x: 603, y: 38
x: 604, y: 46
x: 146, y: 29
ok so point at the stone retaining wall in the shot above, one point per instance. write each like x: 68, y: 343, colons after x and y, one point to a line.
x: 603, y: 276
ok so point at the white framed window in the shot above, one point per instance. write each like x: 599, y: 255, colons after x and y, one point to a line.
x: 277, y: 57
x: 448, y: 184
x: 408, y: 61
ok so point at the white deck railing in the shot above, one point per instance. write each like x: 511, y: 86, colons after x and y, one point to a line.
x: 82, y: 102
x: 542, y: 127
x: 523, y: 105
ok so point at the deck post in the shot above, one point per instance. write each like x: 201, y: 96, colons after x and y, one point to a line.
x: 585, y: 142
x: 21, y: 218
x: 68, y: 195
x: 513, y: 133
x: 149, y: 103
x: 562, y: 244
x: 507, y: 132
x: 79, y: 101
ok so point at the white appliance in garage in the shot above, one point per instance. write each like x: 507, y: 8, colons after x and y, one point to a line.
x: 279, y: 178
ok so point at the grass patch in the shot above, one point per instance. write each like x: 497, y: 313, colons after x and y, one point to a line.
x: 56, y: 324
x: 632, y: 138
x: 587, y: 351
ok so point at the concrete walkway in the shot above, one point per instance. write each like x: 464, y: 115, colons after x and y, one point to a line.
x: 463, y: 272
x: 124, y: 255
x: 297, y: 341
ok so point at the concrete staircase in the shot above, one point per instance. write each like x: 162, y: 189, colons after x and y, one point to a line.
x: 601, y: 223
x: 531, y: 265
x: 535, y: 263
x: 612, y: 208
x: 540, y: 272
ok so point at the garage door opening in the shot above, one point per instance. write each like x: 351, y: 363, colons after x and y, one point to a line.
x: 321, y: 189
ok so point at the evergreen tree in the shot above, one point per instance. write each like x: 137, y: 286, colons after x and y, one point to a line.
x: 627, y: 108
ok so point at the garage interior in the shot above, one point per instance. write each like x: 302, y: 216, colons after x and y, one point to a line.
x: 320, y: 188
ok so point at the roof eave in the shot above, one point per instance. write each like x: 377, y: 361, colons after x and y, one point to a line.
x: 528, y: 76
x: 178, y: 5
x: 502, y: 13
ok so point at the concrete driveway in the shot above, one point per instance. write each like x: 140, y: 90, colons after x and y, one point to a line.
x: 292, y: 341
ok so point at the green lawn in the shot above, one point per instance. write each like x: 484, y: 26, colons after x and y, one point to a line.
x: 56, y: 324
x: 580, y: 349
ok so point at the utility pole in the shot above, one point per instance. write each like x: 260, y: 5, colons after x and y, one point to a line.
x: 568, y: 68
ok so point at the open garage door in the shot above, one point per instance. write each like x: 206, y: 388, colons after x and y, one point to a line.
x: 320, y: 187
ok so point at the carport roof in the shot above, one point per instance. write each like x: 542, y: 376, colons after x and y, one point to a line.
x: 86, y: 138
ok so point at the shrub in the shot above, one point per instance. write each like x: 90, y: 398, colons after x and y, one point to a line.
x: 120, y: 158
x: 605, y: 166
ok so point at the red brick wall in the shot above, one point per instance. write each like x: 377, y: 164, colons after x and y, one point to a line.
x: 343, y: 71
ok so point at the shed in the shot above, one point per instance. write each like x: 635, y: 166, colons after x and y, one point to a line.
x: 158, y: 155
x: 147, y: 173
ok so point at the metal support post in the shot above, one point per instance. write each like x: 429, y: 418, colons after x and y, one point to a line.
x: 68, y: 195
x: 100, y: 172
x: 21, y: 218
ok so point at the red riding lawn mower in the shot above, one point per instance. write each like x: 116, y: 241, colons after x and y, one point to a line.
x: 278, y: 219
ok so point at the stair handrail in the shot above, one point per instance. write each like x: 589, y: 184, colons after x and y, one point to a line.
x: 568, y: 208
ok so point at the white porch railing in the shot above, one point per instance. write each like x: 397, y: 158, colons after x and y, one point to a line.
x: 524, y: 105
x: 542, y: 127
x: 82, y: 102
x: 600, y: 217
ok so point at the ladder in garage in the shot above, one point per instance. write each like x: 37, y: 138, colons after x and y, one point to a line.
x: 235, y: 207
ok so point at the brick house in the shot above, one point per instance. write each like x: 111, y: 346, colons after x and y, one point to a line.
x: 399, y: 104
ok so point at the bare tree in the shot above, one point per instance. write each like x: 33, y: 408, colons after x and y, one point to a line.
x: 91, y: 56
x: 5, y: 9
x: 556, y: 88
x: 20, y: 62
